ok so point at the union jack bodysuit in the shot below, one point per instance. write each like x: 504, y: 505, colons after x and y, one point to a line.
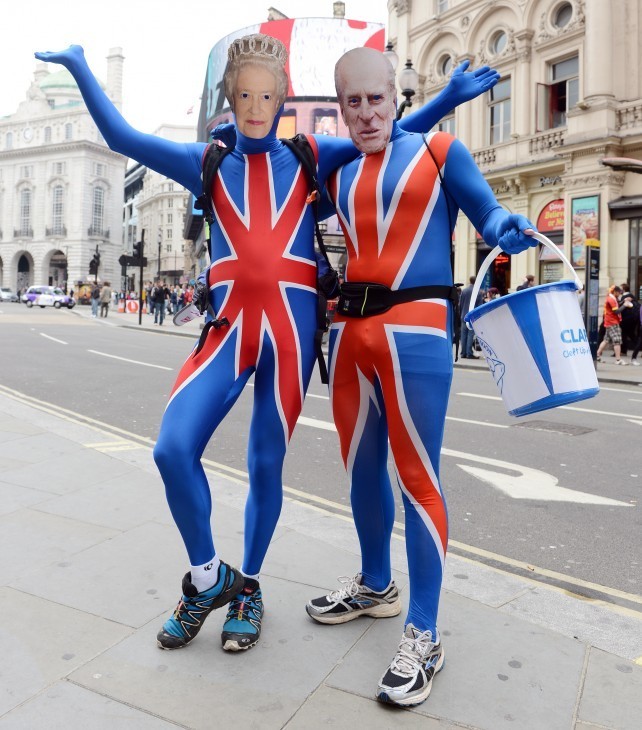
x: 390, y: 374
x: 263, y: 279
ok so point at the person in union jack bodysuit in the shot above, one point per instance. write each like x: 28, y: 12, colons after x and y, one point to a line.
x: 262, y: 288
x: 391, y: 355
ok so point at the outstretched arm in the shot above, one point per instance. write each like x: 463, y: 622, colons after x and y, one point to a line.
x: 181, y: 162
x: 463, y: 86
x: 465, y: 183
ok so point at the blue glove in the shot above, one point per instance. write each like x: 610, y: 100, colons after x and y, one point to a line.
x: 225, y: 133
x: 513, y: 234
x: 466, y: 86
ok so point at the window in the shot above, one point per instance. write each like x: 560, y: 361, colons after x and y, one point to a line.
x: 57, y: 210
x: 9, y: 141
x: 68, y: 131
x: 47, y: 134
x: 168, y: 248
x: 169, y: 233
x: 325, y: 122
x: 98, y: 211
x: 99, y: 169
x: 25, y: 211
x: 498, y: 43
x: 170, y: 203
x: 170, y: 217
x: 445, y: 65
x: 58, y: 168
x: 442, y: 6
x: 447, y: 124
x: 26, y: 171
x: 562, y: 15
x: 556, y: 99
x: 499, y: 112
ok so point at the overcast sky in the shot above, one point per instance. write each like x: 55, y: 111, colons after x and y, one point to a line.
x: 166, y: 44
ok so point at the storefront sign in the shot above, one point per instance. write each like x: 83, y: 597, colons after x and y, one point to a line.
x: 585, y: 227
x: 552, y: 217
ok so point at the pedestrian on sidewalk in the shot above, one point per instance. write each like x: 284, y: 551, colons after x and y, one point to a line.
x: 95, y: 300
x: 392, y: 358
x: 612, y: 319
x: 464, y: 307
x: 105, y: 299
x: 630, y: 319
x: 638, y: 344
x: 528, y: 282
x: 160, y: 297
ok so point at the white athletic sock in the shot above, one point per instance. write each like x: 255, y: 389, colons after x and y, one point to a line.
x: 253, y: 577
x: 206, y: 575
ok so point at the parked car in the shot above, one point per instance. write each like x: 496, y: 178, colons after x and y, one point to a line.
x: 47, y: 296
x: 6, y: 295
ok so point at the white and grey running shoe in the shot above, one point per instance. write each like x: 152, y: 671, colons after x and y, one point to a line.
x: 408, y: 679
x: 354, y: 600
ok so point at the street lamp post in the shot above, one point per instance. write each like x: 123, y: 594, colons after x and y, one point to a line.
x: 408, y: 78
x: 159, y: 254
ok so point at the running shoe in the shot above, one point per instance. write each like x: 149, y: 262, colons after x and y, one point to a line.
x: 354, y: 600
x: 408, y: 679
x: 195, y: 607
x: 242, y: 627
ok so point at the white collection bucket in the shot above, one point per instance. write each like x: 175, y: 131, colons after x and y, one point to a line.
x: 535, y: 342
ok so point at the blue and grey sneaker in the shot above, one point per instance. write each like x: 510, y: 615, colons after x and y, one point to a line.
x: 408, y: 679
x: 354, y: 600
x: 242, y: 627
x: 194, y: 607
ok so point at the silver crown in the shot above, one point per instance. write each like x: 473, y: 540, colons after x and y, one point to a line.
x: 258, y: 45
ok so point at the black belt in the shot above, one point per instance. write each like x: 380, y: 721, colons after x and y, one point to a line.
x: 364, y: 299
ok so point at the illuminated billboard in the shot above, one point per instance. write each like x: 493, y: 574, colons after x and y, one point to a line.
x: 314, y: 46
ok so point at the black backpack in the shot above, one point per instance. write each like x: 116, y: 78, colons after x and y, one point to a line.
x: 328, y: 284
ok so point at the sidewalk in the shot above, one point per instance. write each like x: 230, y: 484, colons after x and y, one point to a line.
x: 91, y: 566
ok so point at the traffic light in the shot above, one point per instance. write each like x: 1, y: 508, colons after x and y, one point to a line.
x: 138, y: 250
x: 94, y: 264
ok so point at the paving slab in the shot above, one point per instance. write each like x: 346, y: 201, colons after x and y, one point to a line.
x: 13, y: 497
x: 65, y: 706
x: 597, y: 624
x: 612, y: 694
x: 134, y: 576
x: 35, y: 540
x: 332, y: 708
x: 43, y: 642
x: 532, y: 675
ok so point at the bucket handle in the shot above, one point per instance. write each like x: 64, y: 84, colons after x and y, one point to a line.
x: 495, y: 253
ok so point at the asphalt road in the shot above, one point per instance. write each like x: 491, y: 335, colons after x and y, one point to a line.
x: 529, y: 494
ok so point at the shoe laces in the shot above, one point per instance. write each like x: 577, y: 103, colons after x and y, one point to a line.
x: 412, y: 653
x: 351, y: 587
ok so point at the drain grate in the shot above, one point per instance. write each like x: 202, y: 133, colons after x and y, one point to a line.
x: 555, y: 427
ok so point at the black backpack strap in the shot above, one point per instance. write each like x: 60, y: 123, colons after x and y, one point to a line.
x: 455, y: 300
x: 212, y: 158
x: 302, y: 149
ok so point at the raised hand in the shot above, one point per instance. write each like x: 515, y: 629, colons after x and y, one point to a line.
x: 67, y: 58
x: 514, y: 233
x: 465, y: 85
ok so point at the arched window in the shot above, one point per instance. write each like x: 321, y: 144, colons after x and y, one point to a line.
x: 57, y: 210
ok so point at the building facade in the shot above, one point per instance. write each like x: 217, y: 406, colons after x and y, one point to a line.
x: 60, y: 185
x: 568, y: 102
